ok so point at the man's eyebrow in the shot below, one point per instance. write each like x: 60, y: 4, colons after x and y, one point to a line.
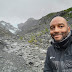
x: 58, y: 24
x: 61, y: 23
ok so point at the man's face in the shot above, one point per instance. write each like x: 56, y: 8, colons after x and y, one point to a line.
x: 59, y: 28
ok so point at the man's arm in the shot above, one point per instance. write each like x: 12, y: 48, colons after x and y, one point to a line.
x: 47, y: 66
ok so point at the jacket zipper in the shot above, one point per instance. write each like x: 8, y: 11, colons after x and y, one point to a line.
x: 60, y: 66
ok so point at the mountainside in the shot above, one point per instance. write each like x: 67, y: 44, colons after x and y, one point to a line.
x: 32, y: 25
x: 6, y: 29
x: 30, y: 22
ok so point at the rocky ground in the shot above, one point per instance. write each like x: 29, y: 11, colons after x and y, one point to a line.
x: 21, y: 56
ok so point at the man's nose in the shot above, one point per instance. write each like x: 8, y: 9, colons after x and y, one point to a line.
x: 56, y: 29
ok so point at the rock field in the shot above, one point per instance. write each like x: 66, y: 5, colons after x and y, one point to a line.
x: 20, y: 56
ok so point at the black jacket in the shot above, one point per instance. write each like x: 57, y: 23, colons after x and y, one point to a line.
x: 59, y: 57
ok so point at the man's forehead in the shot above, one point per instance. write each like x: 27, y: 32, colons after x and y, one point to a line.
x: 58, y: 24
x: 58, y: 20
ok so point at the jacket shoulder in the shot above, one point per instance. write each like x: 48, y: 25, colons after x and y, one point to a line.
x: 50, y: 49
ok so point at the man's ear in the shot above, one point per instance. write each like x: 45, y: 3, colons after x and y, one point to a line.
x: 68, y: 29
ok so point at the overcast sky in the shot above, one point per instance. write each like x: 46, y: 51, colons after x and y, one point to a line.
x: 18, y: 11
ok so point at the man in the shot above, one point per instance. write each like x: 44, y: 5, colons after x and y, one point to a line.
x: 59, y: 54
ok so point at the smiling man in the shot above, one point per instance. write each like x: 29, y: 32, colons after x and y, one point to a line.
x: 59, y: 54
x: 59, y: 28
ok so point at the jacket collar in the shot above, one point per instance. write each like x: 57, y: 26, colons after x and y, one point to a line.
x: 64, y: 43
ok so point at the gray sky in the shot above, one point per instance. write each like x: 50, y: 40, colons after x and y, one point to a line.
x: 17, y: 11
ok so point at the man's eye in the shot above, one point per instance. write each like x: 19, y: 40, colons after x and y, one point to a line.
x: 61, y: 26
x: 52, y: 28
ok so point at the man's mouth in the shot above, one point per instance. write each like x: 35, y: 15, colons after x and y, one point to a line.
x: 56, y: 36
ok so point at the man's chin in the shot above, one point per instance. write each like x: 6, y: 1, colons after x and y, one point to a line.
x: 58, y: 40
